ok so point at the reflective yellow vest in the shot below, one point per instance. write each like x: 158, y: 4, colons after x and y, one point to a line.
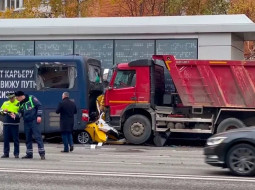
x: 11, y: 106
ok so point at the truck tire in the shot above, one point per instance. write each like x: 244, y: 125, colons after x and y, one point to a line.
x: 230, y: 123
x: 137, y: 129
x: 1, y: 132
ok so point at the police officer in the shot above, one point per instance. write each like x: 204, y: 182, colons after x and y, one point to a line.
x: 11, y: 125
x: 30, y: 110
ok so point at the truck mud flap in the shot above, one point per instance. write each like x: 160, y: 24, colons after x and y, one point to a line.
x: 160, y: 138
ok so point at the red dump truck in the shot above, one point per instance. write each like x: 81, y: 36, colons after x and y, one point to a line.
x: 211, y: 96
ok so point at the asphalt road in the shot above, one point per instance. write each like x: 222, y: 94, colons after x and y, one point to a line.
x: 118, y: 167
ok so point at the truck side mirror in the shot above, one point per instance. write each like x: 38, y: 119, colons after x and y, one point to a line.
x: 105, y: 77
x: 106, y: 74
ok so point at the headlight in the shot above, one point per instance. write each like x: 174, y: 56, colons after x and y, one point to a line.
x: 215, y: 140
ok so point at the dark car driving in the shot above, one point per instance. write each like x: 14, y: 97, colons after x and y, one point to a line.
x: 234, y: 149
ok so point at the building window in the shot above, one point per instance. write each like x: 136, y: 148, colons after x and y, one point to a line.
x: 181, y: 49
x: 129, y: 50
x: 10, y: 4
x: 16, y: 48
x: 2, y: 5
x: 48, y: 48
x: 98, y: 49
x: 13, y: 4
x: 17, y: 4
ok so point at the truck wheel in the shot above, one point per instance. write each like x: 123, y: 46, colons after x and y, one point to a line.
x: 241, y: 160
x: 230, y: 123
x: 1, y: 131
x: 137, y: 129
x: 83, y: 137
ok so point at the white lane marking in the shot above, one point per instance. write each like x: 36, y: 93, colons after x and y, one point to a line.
x: 125, y: 155
x: 85, y: 161
x: 122, y: 174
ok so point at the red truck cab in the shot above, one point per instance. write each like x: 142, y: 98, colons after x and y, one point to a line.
x: 131, y: 91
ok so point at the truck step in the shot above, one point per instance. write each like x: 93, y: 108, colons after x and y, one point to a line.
x: 184, y: 130
x: 164, y: 112
x: 191, y: 131
x: 174, y: 119
x: 160, y: 109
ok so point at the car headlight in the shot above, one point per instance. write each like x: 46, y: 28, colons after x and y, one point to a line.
x: 215, y: 141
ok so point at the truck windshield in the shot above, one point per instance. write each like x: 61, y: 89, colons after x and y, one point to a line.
x: 55, y: 75
x: 125, y: 79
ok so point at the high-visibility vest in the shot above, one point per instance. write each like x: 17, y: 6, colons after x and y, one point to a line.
x: 11, y: 106
x: 25, y: 105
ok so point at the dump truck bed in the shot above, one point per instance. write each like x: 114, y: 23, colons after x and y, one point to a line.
x: 211, y: 83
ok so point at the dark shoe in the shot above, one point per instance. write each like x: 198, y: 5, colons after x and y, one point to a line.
x: 64, y: 151
x: 27, y: 157
x: 16, y: 156
x: 5, y: 156
x: 71, y: 148
x: 42, y: 157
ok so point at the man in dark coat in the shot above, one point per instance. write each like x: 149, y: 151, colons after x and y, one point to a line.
x: 67, y: 109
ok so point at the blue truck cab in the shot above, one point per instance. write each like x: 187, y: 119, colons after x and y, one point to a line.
x: 47, y: 78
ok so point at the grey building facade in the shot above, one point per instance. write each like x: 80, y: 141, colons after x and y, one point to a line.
x: 122, y: 39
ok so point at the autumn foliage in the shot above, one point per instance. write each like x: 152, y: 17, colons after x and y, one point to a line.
x: 111, y: 8
x: 88, y: 8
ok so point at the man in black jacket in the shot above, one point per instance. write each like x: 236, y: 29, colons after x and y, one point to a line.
x: 67, y: 109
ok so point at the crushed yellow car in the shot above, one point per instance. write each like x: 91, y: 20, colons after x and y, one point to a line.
x: 99, y: 131
x: 95, y: 134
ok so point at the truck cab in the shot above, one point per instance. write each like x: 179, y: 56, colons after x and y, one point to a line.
x: 134, y: 90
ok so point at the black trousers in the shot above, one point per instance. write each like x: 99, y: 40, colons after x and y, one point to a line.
x: 11, y: 132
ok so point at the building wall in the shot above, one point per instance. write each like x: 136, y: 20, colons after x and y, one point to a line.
x: 220, y: 46
x: 114, y: 49
x: 237, y: 50
x: 109, y: 51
